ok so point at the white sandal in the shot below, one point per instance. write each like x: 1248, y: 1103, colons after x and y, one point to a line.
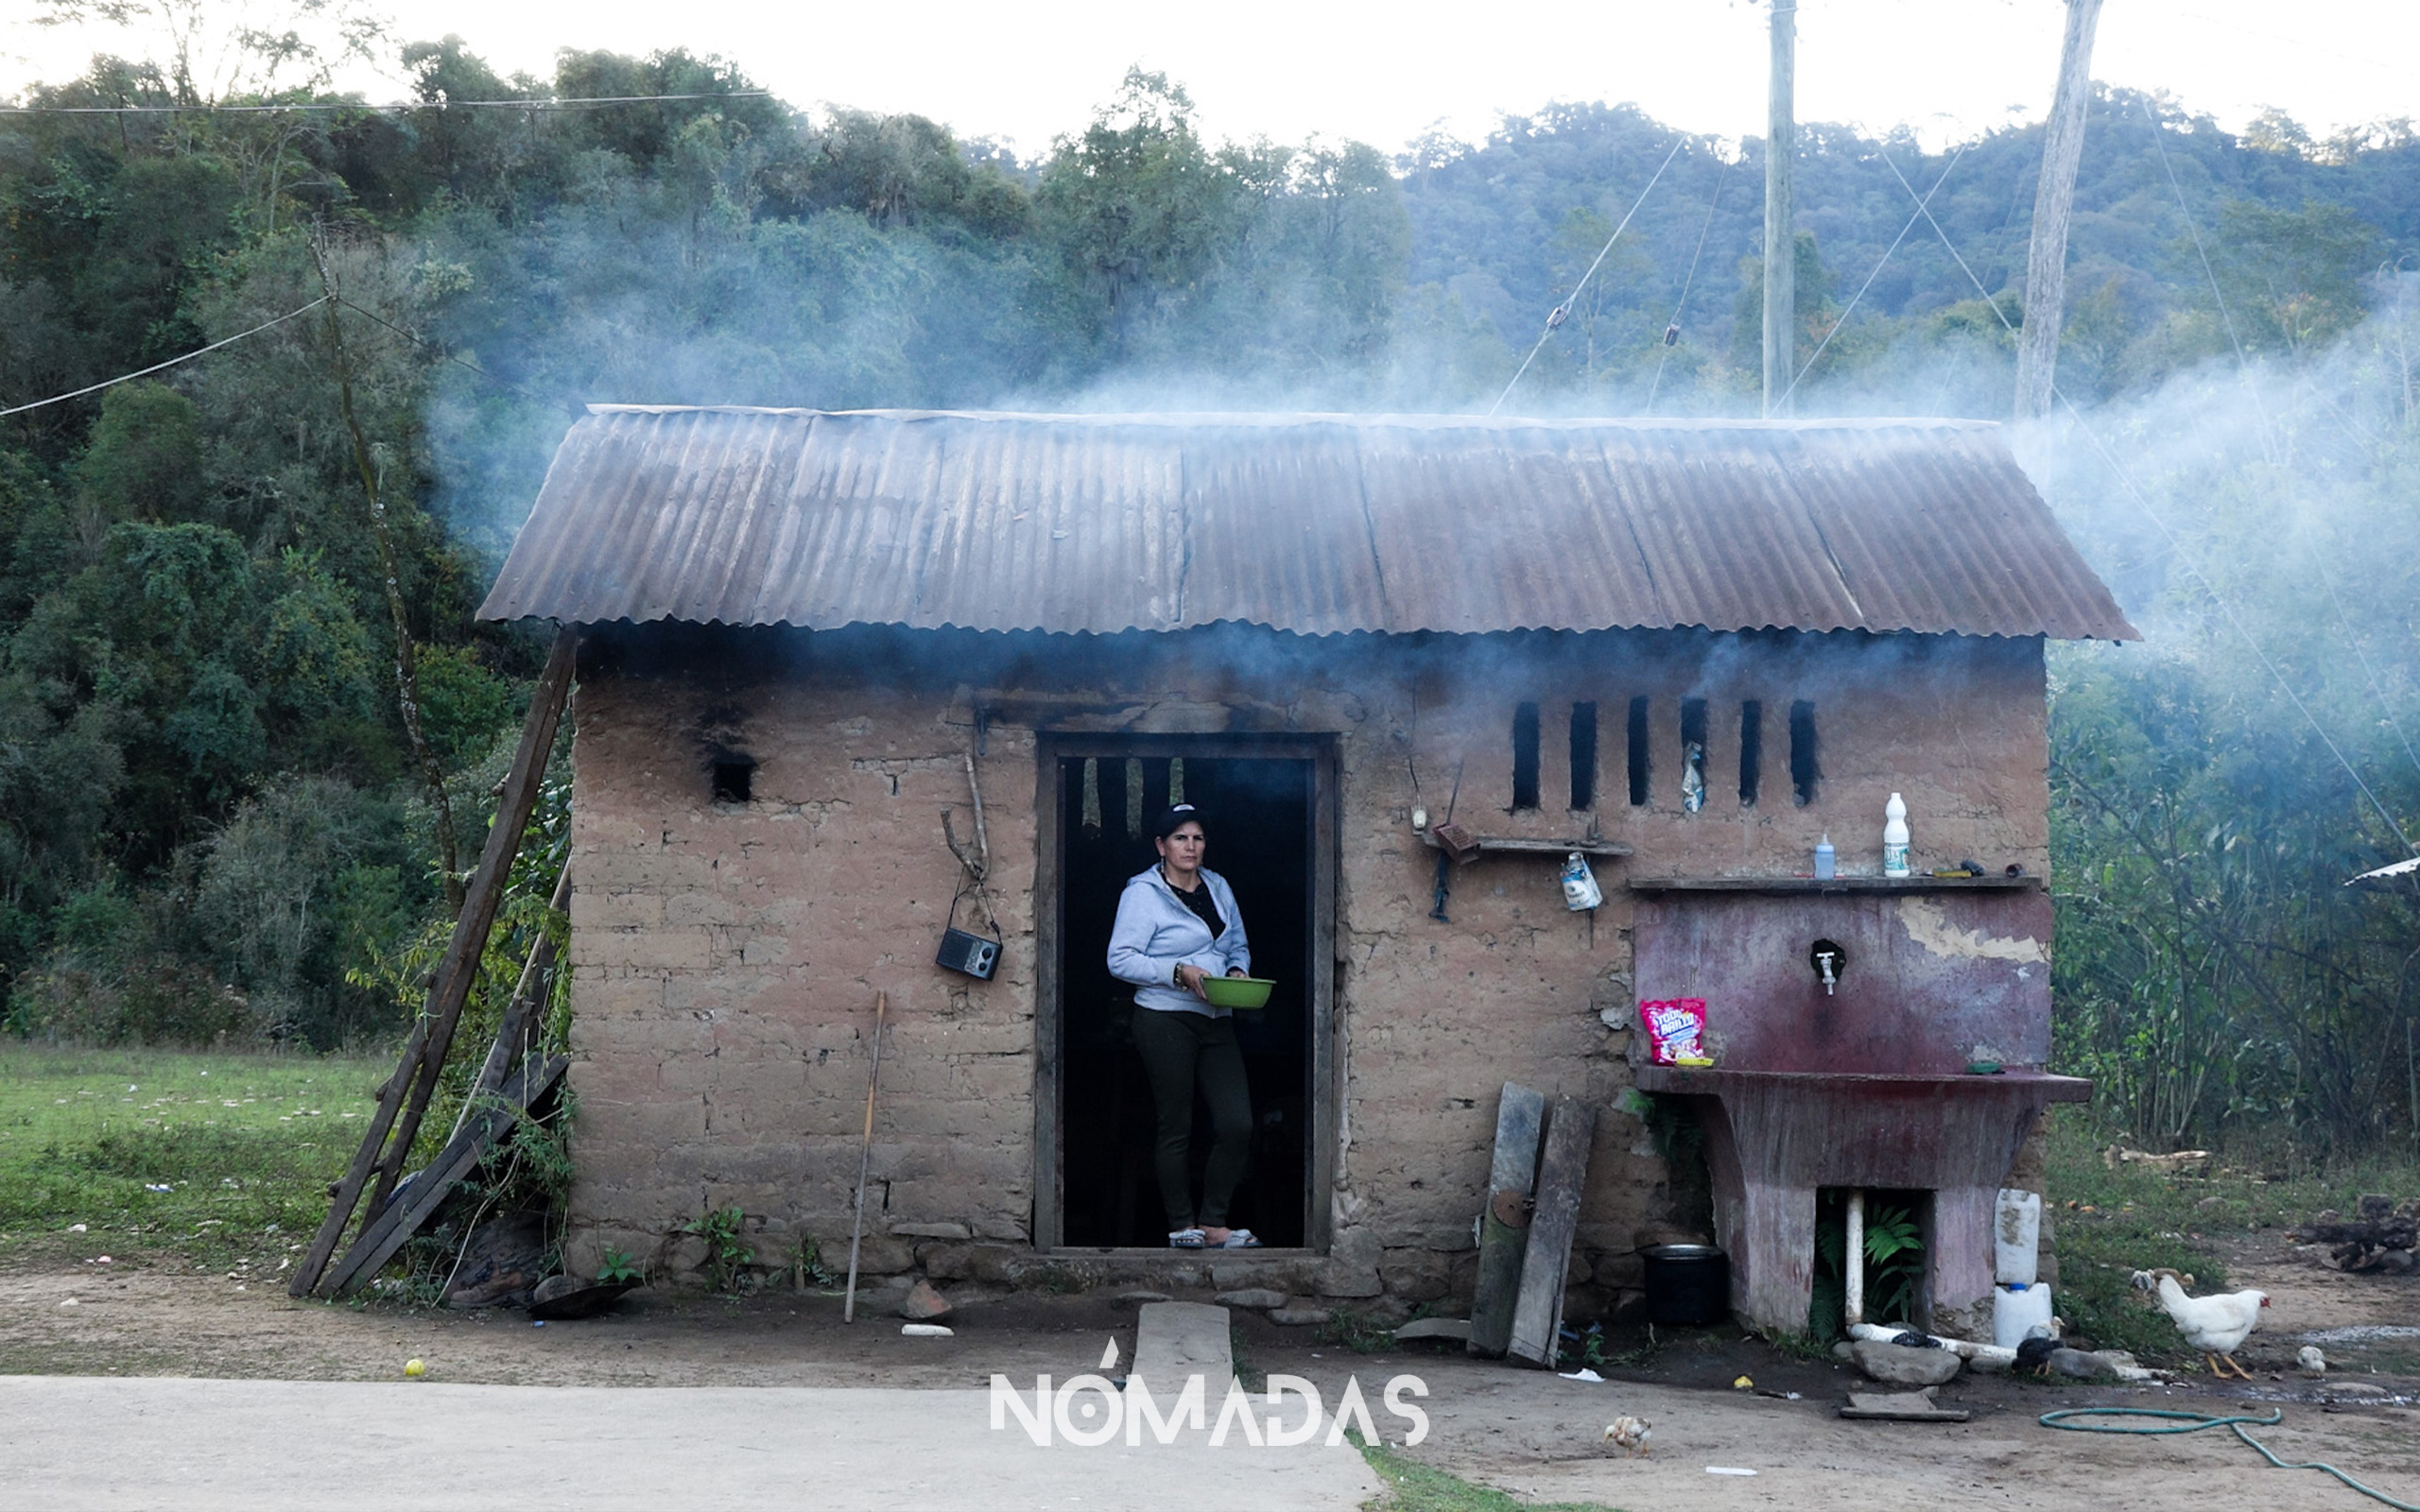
x: 1188, y: 1239
x: 1236, y: 1239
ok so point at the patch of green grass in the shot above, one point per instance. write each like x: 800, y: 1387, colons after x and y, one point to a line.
x: 1248, y: 1371
x: 1349, y: 1330
x: 222, y: 1157
x: 1414, y: 1487
x: 2132, y: 1218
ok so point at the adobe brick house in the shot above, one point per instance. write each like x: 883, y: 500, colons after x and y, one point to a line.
x: 806, y: 635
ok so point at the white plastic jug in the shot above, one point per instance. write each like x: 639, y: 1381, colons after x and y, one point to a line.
x: 2018, y: 1309
x: 2016, y: 1237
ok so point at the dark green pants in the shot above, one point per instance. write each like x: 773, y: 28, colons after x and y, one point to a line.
x: 1181, y: 1051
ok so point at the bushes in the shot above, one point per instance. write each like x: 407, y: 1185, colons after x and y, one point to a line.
x: 249, y: 935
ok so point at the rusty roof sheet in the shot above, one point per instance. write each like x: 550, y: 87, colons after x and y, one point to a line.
x: 1319, y: 525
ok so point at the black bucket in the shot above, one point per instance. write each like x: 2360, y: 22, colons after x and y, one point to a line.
x: 1688, y: 1284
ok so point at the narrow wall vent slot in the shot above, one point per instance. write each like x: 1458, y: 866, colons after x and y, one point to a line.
x: 1525, y: 756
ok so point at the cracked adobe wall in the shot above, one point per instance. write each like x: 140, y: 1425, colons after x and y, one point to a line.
x: 726, y: 956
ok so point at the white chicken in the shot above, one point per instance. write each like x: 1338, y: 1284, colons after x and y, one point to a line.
x: 2217, y: 1325
x: 1629, y: 1432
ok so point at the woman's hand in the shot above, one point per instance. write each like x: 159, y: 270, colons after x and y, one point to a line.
x: 1190, y: 977
x: 1237, y: 971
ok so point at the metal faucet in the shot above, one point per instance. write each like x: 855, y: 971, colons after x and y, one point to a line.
x: 1824, y: 964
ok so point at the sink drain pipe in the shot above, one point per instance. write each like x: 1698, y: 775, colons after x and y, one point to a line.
x: 1853, y: 1260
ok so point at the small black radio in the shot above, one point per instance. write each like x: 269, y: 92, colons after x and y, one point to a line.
x: 971, y: 953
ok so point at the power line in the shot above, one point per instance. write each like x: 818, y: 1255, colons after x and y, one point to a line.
x: 2176, y: 548
x: 427, y: 345
x: 2224, y: 607
x: 1555, y: 317
x: 2243, y: 368
x: 2268, y: 448
x: 128, y: 377
x: 1672, y: 332
x: 576, y: 103
x: 1879, y: 265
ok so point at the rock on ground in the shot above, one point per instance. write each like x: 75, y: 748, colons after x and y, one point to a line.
x: 1898, y: 1364
x: 924, y: 1304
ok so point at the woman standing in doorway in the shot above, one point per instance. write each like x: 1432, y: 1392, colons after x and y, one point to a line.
x: 1178, y: 924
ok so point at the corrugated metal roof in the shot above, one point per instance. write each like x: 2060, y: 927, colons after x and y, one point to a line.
x: 1316, y: 524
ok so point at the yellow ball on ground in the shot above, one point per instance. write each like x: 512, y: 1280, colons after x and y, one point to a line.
x: 415, y: 1369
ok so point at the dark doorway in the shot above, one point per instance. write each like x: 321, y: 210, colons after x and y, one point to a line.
x: 1260, y: 814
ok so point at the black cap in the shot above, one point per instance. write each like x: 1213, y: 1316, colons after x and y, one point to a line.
x: 1175, y: 815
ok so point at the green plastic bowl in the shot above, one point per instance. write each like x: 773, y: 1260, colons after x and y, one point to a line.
x: 1244, y: 993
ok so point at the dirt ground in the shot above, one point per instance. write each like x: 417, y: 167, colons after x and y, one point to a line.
x: 1527, y: 1433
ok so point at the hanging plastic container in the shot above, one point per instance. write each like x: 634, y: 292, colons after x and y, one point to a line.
x: 2016, y: 1237
x: 1580, y: 890
x: 2017, y: 1310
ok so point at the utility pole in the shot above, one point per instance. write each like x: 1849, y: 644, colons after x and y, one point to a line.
x: 1781, y: 245
x: 2046, y: 262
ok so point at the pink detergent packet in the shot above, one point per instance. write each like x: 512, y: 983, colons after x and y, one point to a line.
x: 1675, y: 1031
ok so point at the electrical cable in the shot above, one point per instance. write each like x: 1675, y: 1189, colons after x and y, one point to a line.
x: 1672, y: 331
x: 112, y: 383
x: 2226, y: 316
x: 1879, y: 265
x: 1555, y: 317
x: 2268, y: 432
x: 2143, y: 503
x: 2193, y: 1423
x: 2224, y: 607
x: 427, y: 345
x: 576, y: 103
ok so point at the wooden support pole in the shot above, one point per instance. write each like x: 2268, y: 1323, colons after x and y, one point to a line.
x: 404, y: 1099
x: 2046, y: 260
x: 865, y: 1158
x: 1781, y: 241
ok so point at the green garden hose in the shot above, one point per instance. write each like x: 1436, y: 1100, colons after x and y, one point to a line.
x: 2193, y: 1423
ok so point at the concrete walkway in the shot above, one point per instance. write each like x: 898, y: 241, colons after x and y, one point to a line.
x: 68, y: 1443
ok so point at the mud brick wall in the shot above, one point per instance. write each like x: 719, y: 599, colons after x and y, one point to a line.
x: 726, y: 956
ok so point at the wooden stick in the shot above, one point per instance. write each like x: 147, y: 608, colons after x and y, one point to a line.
x: 865, y: 1159
x: 433, y: 1033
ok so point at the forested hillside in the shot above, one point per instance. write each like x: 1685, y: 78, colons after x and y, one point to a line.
x: 222, y: 586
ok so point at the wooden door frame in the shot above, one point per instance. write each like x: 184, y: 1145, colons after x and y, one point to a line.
x: 1320, y: 749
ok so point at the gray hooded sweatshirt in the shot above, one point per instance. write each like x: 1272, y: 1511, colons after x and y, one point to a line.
x: 1155, y: 934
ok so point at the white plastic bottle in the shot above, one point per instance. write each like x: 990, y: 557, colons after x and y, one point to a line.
x: 1894, y: 837
x: 1826, y: 860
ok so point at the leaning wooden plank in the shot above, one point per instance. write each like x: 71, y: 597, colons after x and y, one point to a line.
x: 1537, y: 1319
x: 528, y: 1005
x: 1504, y: 1227
x: 346, y: 1194
x: 432, y: 1035
x: 459, y: 967
x: 403, y: 1218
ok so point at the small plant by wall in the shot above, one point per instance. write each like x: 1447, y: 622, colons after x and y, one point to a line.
x: 728, y: 1251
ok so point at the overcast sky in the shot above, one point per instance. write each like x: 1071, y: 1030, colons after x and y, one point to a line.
x: 1028, y: 72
